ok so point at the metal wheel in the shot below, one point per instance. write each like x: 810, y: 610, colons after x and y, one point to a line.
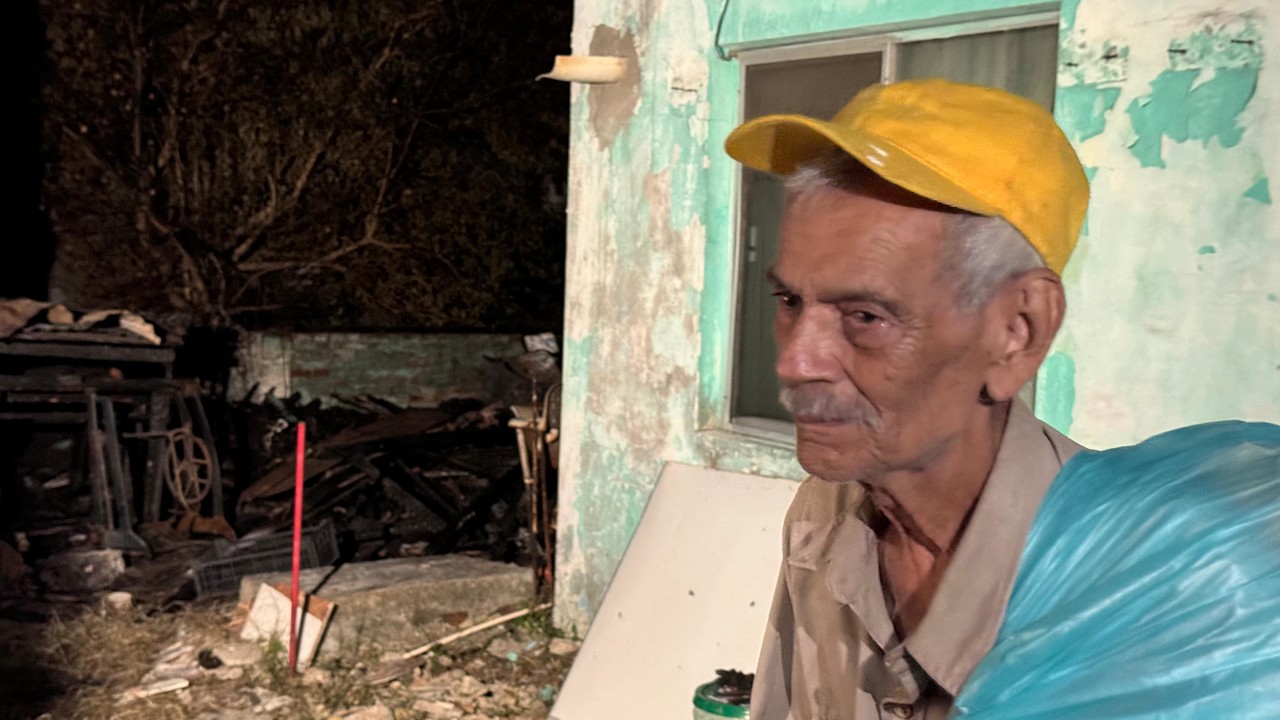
x: 190, y: 469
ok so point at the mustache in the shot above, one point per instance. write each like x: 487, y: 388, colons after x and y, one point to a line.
x: 813, y: 403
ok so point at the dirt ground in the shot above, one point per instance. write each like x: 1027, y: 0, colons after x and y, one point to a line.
x: 93, y: 663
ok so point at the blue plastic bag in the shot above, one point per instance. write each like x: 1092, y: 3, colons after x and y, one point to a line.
x: 1149, y: 587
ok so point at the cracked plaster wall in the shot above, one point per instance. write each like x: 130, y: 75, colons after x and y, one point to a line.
x: 1173, y: 309
x: 634, y: 281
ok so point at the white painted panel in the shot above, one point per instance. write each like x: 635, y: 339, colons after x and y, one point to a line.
x: 691, y: 595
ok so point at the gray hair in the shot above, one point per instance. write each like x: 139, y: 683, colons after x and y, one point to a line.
x: 981, y: 252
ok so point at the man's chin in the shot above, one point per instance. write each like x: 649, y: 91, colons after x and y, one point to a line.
x: 842, y: 463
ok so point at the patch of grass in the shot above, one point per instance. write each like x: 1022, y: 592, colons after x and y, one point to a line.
x: 109, y: 652
x: 539, y: 624
x: 275, y: 662
x: 345, y: 688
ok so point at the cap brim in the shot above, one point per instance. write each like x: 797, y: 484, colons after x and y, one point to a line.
x: 780, y: 143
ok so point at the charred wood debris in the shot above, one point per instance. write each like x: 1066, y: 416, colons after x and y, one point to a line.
x: 472, y: 476
x: 392, y: 481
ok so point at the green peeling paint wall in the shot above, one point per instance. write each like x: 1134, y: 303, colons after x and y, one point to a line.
x: 1175, y: 116
x: 1175, y: 108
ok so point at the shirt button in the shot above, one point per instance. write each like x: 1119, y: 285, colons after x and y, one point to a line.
x: 901, y: 710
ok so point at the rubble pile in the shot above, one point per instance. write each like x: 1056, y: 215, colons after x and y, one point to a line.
x: 393, y: 481
x: 383, y: 481
x: 131, y: 514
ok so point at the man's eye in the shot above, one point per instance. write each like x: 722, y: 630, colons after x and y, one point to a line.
x: 863, y: 317
x: 787, y: 300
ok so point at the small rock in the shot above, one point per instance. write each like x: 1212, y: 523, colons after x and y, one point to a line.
x: 226, y: 673
x: 564, y: 646
x: 444, y: 661
x: 268, y: 701
x: 378, y: 711
x: 165, y: 671
x: 505, y: 648
x: 475, y: 665
x: 450, y: 677
x: 238, y: 653
x: 469, y: 687
x: 417, y: 549
x: 154, y: 688
x: 117, y: 602
x: 316, y: 676
x: 372, y: 712
x: 80, y: 570
x: 228, y: 715
x: 437, y: 709
x: 504, y: 697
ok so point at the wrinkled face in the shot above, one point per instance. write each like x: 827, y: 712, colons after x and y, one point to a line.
x: 880, y: 370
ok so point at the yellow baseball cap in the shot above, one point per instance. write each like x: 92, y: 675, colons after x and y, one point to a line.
x: 974, y: 148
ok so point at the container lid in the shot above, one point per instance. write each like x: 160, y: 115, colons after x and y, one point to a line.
x: 703, y: 700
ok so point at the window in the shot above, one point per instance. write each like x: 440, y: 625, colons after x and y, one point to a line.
x: 818, y: 80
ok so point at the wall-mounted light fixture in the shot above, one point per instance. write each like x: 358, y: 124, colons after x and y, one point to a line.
x: 592, y: 69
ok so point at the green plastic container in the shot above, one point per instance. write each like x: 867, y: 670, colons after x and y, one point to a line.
x: 706, y: 707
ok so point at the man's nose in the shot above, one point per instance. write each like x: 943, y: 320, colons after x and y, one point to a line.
x: 807, y: 349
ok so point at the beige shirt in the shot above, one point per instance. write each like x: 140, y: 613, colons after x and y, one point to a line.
x: 831, y: 651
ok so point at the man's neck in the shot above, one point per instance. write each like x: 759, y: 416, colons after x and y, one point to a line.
x: 929, y: 506
x: 927, y: 510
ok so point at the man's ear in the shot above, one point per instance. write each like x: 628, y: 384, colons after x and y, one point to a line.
x: 1023, y: 319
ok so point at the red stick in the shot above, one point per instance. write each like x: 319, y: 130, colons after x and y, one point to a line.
x: 298, y: 475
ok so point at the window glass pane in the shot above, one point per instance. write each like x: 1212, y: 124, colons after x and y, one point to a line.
x: 817, y: 88
x: 1023, y: 61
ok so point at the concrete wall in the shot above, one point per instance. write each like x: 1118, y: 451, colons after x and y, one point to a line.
x: 1172, y: 318
x: 409, y: 369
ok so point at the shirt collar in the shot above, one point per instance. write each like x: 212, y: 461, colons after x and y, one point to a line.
x: 968, y: 608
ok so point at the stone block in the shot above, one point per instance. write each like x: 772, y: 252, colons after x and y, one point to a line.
x: 395, y: 605
x: 81, y: 570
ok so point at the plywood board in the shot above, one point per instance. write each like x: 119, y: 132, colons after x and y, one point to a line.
x: 691, y: 595
x: 269, y: 617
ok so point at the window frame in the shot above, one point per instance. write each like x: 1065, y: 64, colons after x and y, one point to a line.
x: 770, y: 430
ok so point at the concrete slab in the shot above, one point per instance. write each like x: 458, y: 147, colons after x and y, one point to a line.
x: 394, y: 605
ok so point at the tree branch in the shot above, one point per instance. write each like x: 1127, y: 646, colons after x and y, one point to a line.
x: 252, y: 229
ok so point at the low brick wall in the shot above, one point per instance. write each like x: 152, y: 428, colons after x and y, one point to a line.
x: 410, y: 369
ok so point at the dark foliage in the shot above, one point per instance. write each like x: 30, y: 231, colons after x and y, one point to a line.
x: 317, y: 164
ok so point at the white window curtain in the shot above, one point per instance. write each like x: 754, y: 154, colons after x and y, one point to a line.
x: 1023, y: 61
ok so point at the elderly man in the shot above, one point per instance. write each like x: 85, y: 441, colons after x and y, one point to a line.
x: 918, y: 290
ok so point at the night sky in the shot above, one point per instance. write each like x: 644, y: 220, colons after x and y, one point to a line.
x: 26, y: 269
